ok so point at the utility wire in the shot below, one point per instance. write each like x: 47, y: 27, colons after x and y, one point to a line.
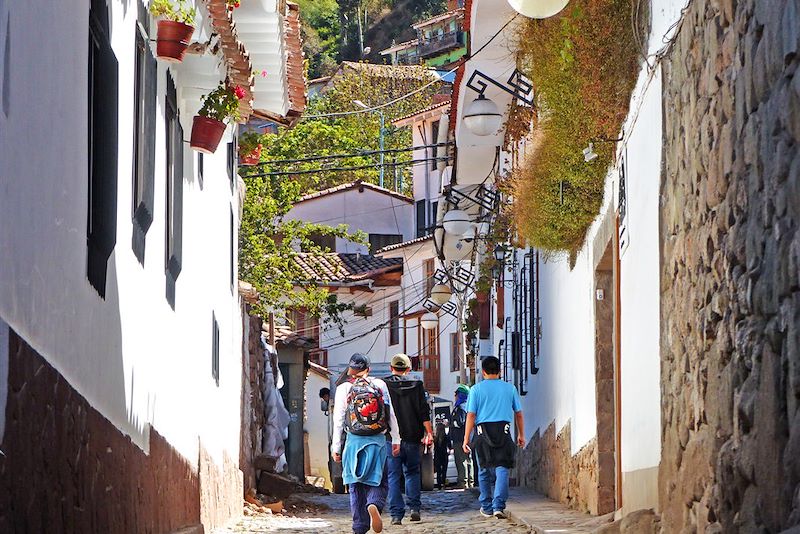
x: 350, y: 168
x: 353, y: 155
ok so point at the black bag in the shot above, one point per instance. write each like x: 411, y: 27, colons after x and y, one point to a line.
x: 494, y: 445
x: 366, y: 412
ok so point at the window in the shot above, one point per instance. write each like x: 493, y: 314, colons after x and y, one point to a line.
x: 429, y: 269
x: 305, y: 324
x: 434, y: 141
x: 394, y: 322
x: 214, y: 348
x: 232, y: 162
x: 174, y: 215
x: 324, y: 241
x: 101, y: 220
x: 144, y: 135
x: 434, y: 208
x: 378, y: 241
x: 455, y: 352
x: 232, y: 251
x: 200, y: 165
x: 422, y: 228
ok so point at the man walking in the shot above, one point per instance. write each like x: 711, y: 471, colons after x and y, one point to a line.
x: 466, y: 478
x: 363, y: 408
x: 414, y: 419
x: 491, y: 406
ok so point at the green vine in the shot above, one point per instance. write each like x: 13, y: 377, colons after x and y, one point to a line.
x: 583, y: 64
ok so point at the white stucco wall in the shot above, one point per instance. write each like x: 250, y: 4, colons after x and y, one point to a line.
x: 316, y: 426
x: 134, y: 359
x: 370, y: 211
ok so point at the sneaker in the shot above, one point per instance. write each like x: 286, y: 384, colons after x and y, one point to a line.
x: 484, y: 513
x: 415, y: 515
x: 500, y: 514
x: 375, y: 521
x: 397, y: 521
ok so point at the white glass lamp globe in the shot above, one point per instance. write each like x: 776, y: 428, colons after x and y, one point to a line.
x: 457, y: 249
x: 440, y: 293
x: 429, y: 321
x: 456, y: 222
x: 482, y: 117
x: 538, y: 9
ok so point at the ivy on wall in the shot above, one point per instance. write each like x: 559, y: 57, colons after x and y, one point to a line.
x: 583, y: 64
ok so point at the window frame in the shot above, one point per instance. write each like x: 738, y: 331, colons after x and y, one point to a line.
x: 173, y: 223
x: 394, y: 323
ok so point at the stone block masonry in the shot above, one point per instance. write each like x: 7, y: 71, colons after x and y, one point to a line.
x: 730, y: 261
x: 66, y: 468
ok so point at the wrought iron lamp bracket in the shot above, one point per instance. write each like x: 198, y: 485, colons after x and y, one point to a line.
x: 518, y: 85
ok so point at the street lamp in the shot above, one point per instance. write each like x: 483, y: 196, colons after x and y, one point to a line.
x: 440, y: 294
x: 429, y: 321
x: 362, y: 105
x: 538, y: 9
x: 482, y: 117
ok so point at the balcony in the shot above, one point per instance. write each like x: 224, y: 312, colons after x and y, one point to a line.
x: 410, y: 59
x: 438, y: 44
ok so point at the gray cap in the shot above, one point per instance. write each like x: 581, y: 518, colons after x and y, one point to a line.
x: 359, y: 362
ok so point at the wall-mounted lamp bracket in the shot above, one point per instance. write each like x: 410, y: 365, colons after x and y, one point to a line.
x: 518, y: 85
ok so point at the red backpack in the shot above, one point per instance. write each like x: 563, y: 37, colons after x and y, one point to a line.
x: 366, y: 412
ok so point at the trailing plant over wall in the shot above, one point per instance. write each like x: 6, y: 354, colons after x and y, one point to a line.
x: 583, y: 64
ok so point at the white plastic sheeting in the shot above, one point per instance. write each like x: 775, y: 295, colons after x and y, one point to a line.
x: 276, y: 417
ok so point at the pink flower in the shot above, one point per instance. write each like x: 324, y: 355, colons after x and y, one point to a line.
x: 263, y: 74
x: 239, y: 92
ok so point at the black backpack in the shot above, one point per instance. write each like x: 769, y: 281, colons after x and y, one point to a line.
x: 459, y: 417
x: 366, y: 412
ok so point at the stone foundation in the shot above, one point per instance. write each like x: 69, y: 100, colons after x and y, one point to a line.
x: 66, y: 468
x: 730, y: 308
x: 547, y: 466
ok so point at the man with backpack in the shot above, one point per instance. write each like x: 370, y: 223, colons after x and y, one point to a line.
x: 466, y: 477
x: 362, y: 407
x: 491, y: 406
x: 414, y: 420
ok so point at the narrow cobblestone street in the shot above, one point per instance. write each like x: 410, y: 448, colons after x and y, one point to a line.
x: 442, y: 512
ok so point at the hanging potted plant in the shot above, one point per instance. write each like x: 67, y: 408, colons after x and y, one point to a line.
x: 175, y: 28
x: 219, y: 105
x: 232, y: 4
x: 250, y: 148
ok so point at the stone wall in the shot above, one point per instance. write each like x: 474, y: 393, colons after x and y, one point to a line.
x: 252, y: 400
x: 547, y: 465
x: 66, y: 468
x: 729, y: 270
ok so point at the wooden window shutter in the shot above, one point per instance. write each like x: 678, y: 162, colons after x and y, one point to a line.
x: 101, y: 228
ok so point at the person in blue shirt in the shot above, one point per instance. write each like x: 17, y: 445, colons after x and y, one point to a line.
x: 491, y: 407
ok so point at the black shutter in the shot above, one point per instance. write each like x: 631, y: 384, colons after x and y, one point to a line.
x: 144, y: 141
x: 101, y: 228
x: 233, y: 263
x: 214, y: 348
x: 174, y: 226
x: 421, y: 219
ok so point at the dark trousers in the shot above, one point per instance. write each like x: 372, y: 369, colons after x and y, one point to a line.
x: 440, y: 458
x: 405, y: 465
x: 361, y: 496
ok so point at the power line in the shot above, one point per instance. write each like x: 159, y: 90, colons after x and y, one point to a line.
x: 350, y: 168
x: 353, y: 155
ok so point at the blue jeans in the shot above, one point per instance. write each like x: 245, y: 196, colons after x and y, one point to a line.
x: 361, y: 496
x: 493, y: 483
x: 407, y: 464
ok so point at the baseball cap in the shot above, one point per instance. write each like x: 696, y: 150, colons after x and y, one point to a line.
x: 359, y: 362
x: 400, y: 361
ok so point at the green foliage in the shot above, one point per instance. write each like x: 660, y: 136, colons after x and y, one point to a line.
x: 320, y: 27
x: 167, y: 10
x: 222, y: 103
x: 248, y: 141
x: 268, y: 245
x: 352, y: 134
x: 583, y: 64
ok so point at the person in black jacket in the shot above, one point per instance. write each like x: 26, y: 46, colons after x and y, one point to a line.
x: 414, y: 422
x: 442, y: 445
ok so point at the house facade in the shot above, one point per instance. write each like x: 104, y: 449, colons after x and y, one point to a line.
x: 120, y: 318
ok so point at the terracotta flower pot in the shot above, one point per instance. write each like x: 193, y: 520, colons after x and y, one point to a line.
x: 173, y: 38
x: 251, y: 158
x: 206, y: 134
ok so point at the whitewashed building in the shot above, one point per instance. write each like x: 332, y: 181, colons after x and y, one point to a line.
x: 120, y: 319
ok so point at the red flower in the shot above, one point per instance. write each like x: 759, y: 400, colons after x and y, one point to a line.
x: 239, y: 92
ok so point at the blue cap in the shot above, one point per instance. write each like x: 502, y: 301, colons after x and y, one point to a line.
x: 359, y: 362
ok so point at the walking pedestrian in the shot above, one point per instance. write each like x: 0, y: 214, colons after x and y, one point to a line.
x: 363, y: 408
x: 442, y: 446
x: 491, y: 406
x: 466, y: 476
x: 414, y: 420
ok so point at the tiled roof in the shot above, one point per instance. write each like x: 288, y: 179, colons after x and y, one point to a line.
x: 404, y: 244
x: 437, y: 18
x: 389, y: 71
x: 284, y: 335
x: 295, y: 71
x: 344, y: 267
x: 400, y: 46
x: 240, y: 69
x: 358, y: 184
x: 432, y: 107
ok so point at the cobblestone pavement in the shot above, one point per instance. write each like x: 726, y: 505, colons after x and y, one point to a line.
x: 443, y: 512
